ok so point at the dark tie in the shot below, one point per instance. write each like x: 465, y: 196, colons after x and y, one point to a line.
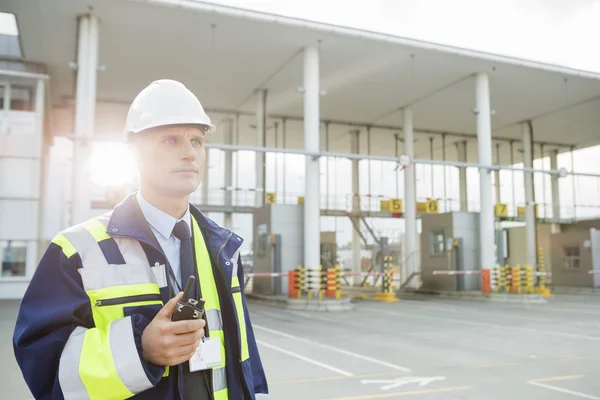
x: 186, y: 255
x: 195, y: 384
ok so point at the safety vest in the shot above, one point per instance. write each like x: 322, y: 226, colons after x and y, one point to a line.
x: 106, y: 357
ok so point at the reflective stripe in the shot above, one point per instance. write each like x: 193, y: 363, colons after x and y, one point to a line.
x: 214, y: 320
x: 126, y: 358
x: 115, y: 275
x: 235, y: 282
x: 86, y: 246
x: 97, y: 366
x: 219, y: 379
x: 68, y: 367
x: 132, y: 251
x: 97, y: 230
x: 67, y: 248
x: 237, y: 298
x: 222, y: 395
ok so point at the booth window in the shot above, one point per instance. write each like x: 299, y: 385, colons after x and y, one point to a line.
x: 13, y: 254
x: 21, y: 98
x: 437, y: 240
x: 571, y: 258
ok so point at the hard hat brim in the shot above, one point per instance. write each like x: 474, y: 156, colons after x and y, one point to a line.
x: 211, y: 127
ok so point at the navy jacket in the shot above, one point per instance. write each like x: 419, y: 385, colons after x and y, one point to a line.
x: 55, y: 303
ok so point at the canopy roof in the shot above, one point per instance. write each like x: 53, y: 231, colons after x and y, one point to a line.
x: 223, y: 54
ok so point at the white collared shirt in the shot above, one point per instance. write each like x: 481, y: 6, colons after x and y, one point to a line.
x: 162, y: 225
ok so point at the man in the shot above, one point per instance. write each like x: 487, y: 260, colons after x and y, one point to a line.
x: 97, y: 319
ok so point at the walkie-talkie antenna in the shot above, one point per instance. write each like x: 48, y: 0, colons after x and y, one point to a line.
x: 188, y: 288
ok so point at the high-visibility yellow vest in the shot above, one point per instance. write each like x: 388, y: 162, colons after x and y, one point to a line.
x: 102, y: 363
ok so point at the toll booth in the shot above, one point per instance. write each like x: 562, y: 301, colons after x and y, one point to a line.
x: 279, y: 246
x: 575, y: 258
x: 450, y: 242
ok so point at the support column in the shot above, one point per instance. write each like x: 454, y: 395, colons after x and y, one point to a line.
x: 529, y: 201
x: 554, y: 185
x: 312, y: 229
x: 228, y: 171
x: 85, y: 105
x: 461, y: 149
x: 356, y: 243
x: 497, y: 175
x: 410, y: 207
x: 261, y: 136
x: 484, y: 153
x: 40, y: 97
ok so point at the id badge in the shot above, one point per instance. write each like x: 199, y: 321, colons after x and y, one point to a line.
x: 207, y: 355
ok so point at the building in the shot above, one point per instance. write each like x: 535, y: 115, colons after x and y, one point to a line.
x: 274, y: 82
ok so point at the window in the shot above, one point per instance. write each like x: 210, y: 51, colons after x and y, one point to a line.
x: 14, y: 256
x: 262, y: 241
x: 437, y: 240
x: 2, y: 96
x: 571, y: 259
x: 21, y: 98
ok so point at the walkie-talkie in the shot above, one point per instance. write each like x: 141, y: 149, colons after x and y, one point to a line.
x: 189, y: 308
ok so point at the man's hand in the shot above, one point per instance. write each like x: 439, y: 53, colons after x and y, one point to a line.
x: 165, y: 342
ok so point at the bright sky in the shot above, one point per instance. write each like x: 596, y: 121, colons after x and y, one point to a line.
x: 553, y: 31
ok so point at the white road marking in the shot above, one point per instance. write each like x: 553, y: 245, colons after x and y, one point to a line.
x: 328, y: 347
x: 486, y: 325
x: 557, y: 389
x: 394, y: 383
x: 307, y: 359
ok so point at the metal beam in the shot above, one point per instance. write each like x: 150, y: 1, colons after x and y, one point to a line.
x: 218, y: 110
x: 317, y: 154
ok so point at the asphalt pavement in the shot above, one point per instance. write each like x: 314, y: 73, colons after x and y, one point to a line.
x: 416, y: 348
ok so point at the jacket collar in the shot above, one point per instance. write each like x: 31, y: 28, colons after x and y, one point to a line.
x: 128, y: 220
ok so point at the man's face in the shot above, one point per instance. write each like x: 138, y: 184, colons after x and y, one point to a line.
x: 170, y: 160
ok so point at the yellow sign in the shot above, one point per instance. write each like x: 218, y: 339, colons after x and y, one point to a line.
x: 501, y: 210
x: 300, y: 199
x: 384, y: 205
x: 521, y: 211
x: 428, y: 207
x: 271, y: 198
x: 395, y: 205
x: 432, y: 207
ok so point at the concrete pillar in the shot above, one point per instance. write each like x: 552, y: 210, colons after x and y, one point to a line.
x: 40, y: 97
x: 461, y: 149
x: 410, y: 203
x: 554, y: 185
x: 484, y: 153
x: 529, y: 201
x: 228, y: 171
x: 261, y: 137
x: 497, y: 175
x: 356, y: 242
x: 85, y: 105
x: 312, y: 229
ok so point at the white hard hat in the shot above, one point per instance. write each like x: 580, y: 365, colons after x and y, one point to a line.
x: 165, y: 102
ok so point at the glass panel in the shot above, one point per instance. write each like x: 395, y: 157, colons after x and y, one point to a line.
x: 21, y: 98
x: 2, y: 94
x: 437, y: 240
x: 14, y: 256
